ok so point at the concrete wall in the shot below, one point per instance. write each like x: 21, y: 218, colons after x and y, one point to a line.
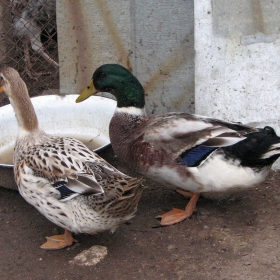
x: 153, y: 38
x: 164, y: 53
x: 237, y: 63
x: 234, y: 46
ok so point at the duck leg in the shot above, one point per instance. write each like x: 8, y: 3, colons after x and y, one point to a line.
x: 177, y: 215
x: 57, y: 242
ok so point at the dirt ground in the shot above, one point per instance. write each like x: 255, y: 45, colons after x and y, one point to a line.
x: 234, y: 237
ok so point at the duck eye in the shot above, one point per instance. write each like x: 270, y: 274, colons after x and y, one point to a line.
x: 102, y: 75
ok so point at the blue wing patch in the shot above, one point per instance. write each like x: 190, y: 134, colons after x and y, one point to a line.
x: 196, y: 155
x: 65, y: 192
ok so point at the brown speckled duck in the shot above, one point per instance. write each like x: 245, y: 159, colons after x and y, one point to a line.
x: 192, y: 153
x: 65, y: 181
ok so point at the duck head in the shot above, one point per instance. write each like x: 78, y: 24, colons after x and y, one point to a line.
x: 118, y: 81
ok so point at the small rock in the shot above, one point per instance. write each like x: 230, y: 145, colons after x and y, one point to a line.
x: 92, y: 256
x: 170, y: 247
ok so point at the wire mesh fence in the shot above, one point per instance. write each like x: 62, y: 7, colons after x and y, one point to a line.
x: 28, y: 42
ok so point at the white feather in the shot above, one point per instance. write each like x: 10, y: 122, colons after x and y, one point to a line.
x: 275, y: 146
x: 270, y: 154
x: 131, y: 110
x: 216, y: 174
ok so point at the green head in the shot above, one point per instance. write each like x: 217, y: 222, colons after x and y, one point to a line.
x: 118, y: 81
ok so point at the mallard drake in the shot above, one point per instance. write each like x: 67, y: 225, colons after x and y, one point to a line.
x: 192, y: 153
x: 65, y: 181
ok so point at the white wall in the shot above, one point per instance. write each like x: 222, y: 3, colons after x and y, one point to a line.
x: 237, y: 63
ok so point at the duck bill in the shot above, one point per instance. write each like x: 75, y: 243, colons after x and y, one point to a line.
x: 86, y: 93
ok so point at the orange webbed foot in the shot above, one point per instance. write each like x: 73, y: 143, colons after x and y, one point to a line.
x: 177, y: 215
x: 57, y: 242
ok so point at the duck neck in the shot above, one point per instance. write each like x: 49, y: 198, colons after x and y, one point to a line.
x: 133, y: 111
x: 126, y: 126
x: 24, y: 110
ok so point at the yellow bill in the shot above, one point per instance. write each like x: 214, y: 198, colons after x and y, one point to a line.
x: 86, y: 93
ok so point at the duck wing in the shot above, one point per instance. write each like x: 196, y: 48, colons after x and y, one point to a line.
x: 178, y: 132
x: 68, y: 165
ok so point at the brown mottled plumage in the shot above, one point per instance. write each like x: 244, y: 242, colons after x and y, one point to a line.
x: 69, y: 184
